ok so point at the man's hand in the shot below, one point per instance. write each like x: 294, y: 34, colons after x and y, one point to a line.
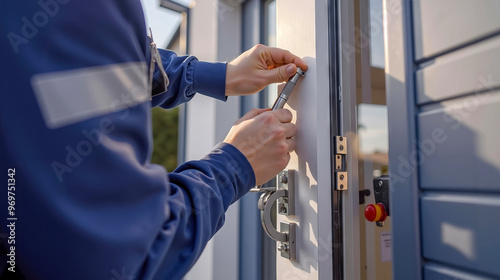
x: 258, y: 67
x: 265, y: 138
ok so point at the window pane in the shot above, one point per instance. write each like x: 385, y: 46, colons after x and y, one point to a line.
x: 372, y: 128
x: 377, y: 34
x: 271, y: 41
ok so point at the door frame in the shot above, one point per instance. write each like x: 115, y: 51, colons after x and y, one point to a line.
x: 348, y: 128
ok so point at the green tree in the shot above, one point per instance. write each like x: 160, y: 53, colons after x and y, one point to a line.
x: 165, y: 132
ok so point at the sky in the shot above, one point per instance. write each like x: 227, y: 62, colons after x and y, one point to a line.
x: 162, y: 21
x: 377, y: 34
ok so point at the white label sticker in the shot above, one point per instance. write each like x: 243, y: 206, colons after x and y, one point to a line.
x: 386, y: 246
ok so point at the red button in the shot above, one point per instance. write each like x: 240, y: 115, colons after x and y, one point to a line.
x: 375, y: 213
x: 370, y: 212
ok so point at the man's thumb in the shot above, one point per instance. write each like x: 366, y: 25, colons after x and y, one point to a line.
x: 282, y: 73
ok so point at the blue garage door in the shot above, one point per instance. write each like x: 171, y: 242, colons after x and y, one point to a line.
x: 443, y: 83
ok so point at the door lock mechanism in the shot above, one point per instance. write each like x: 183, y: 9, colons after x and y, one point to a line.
x: 284, y: 195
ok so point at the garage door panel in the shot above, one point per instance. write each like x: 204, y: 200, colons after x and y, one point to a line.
x: 438, y: 272
x: 458, y: 145
x: 473, y: 69
x: 441, y: 25
x: 462, y: 230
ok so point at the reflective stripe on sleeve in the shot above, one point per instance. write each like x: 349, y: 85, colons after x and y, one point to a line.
x: 72, y: 96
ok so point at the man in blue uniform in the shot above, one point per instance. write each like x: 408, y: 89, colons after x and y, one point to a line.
x: 78, y: 82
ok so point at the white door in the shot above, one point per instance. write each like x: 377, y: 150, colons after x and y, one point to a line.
x: 302, y: 28
x: 343, y: 94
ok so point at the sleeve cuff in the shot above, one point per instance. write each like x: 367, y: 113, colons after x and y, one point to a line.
x: 210, y: 79
x: 238, y: 166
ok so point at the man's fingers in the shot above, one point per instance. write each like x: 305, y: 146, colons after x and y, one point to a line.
x: 290, y: 130
x: 280, y: 56
x: 281, y: 64
x: 291, y: 144
x: 280, y: 74
x: 283, y: 115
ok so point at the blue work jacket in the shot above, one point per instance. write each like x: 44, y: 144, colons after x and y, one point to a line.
x: 80, y: 198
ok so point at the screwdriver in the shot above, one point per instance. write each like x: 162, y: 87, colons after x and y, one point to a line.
x: 287, y: 90
x: 278, y: 104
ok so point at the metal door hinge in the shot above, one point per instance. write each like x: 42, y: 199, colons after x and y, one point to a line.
x: 341, y: 183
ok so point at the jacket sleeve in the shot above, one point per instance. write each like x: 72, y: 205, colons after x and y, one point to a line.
x: 200, y: 192
x: 89, y: 203
x: 188, y: 76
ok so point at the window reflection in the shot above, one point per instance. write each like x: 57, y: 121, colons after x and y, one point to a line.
x: 373, y: 140
x: 271, y: 23
x: 272, y: 90
x: 377, y: 34
x: 370, y: 92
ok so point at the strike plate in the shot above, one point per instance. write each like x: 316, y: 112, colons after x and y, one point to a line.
x: 286, y: 181
x: 288, y: 248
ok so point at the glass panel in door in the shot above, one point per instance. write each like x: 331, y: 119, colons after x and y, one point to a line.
x: 372, y: 134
